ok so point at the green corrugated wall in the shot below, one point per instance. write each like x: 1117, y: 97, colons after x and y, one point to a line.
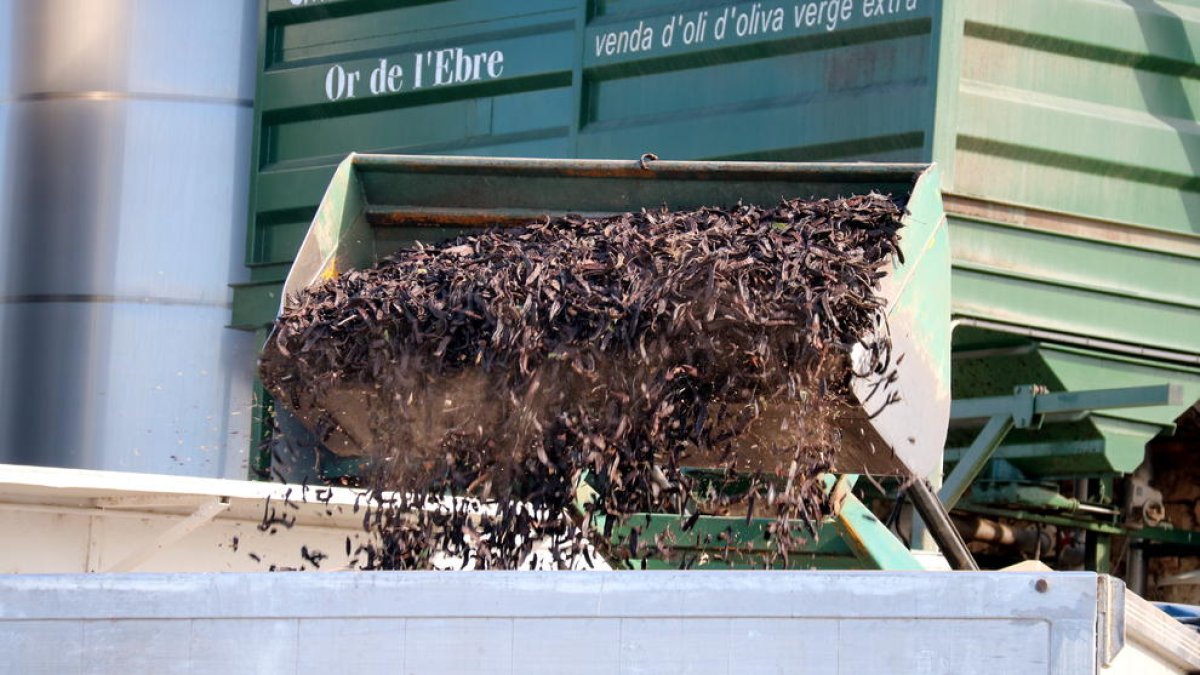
x: 1066, y: 130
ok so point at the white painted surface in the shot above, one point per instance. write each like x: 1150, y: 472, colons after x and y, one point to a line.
x: 70, y: 520
x: 1138, y: 660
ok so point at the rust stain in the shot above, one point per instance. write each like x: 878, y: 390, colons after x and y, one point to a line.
x: 458, y: 219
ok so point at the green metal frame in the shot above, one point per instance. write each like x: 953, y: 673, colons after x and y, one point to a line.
x: 853, y: 538
x: 1033, y: 496
x: 1159, y: 534
x: 1027, y: 408
x: 1112, y: 259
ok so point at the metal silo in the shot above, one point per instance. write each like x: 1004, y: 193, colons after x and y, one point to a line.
x: 126, y: 149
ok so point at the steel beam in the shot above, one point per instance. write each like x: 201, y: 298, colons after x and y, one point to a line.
x: 1061, y: 521
x: 870, y: 539
x: 1024, y: 409
x: 1070, y: 402
x: 974, y: 459
x: 197, y: 519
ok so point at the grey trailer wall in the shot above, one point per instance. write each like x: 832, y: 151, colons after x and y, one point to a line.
x: 584, y: 622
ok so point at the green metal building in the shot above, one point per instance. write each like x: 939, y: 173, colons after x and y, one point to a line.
x: 1065, y: 131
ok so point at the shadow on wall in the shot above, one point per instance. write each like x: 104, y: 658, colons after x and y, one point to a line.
x: 1162, y: 88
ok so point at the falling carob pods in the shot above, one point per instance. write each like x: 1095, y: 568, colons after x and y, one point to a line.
x: 500, y: 367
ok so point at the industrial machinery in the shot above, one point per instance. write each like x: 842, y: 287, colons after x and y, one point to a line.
x: 1065, y: 144
x: 1064, y: 137
x: 377, y: 203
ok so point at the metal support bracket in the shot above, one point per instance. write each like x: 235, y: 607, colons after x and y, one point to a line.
x: 870, y: 540
x: 851, y: 538
x: 195, y: 520
x: 1065, y: 402
x: 974, y: 459
x: 1027, y: 408
x: 1024, y: 398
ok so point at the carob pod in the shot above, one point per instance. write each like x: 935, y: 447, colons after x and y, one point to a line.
x: 501, y: 365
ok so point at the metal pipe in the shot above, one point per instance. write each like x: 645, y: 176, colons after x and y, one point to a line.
x: 974, y: 459
x: 1036, y: 496
x: 111, y: 128
x: 1077, y: 341
x: 1092, y: 508
x: 1135, y: 569
x: 986, y: 531
x: 1027, y: 539
x: 940, y: 527
x: 919, y: 539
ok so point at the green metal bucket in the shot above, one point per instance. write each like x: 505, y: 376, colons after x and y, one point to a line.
x: 376, y: 204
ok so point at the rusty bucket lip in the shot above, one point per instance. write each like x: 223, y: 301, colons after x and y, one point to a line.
x: 619, y: 168
x: 841, y: 172
x: 866, y: 173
